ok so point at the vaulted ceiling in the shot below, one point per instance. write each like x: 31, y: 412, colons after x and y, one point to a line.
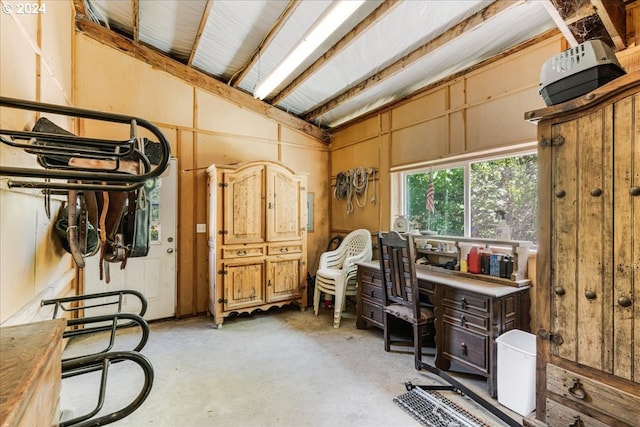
x: 384, y: 51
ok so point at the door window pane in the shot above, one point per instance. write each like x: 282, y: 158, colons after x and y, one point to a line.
x: 153, y: 198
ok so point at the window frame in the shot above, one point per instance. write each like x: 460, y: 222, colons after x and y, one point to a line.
x: 399, y: 176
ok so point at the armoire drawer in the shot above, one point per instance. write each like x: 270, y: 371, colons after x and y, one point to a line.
x: 464, y: 346
x: 292, y: 248
x: 242, y: 252
x: 561, y: 416
x: 594, y: 394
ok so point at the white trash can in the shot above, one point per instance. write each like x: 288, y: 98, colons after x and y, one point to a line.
x: 517, y: 371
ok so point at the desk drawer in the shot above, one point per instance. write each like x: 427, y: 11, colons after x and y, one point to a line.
x: 369, y: 275
x: 373, y: 312
x: 465, y: 319
x: 461, y: 300
x: 466, y: 347
x: 371, y: 291
x: 427, y: 286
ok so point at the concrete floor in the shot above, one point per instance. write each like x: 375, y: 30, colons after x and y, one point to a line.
x: 284, y: 367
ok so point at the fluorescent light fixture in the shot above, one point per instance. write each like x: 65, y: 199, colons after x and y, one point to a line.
x: 338, y: 14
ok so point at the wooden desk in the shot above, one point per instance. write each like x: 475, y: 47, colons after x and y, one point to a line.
x: 30, y: 373
x: 470, y: 315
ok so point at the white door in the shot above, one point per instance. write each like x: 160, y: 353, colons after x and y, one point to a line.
x: 155, y: 274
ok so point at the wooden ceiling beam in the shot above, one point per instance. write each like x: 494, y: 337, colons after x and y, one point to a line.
x: 345, y: 41
x: 203, y: 22
x: 448, y: 36
x: 282, y: 19
x: 194, y: 77
x: 135, y: 18
x: 612, y: 13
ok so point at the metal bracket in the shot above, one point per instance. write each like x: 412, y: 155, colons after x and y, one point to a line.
x: 551, y: 142
x: 554, y: 338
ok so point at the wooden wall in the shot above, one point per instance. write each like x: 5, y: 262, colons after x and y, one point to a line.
x: 481, y: 111
x: 203, y: 128
x: 45, y: 59
x: 36, y: 61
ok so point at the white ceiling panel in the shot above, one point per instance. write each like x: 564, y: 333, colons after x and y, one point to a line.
x: 233, y: 32
x: 379, y: 55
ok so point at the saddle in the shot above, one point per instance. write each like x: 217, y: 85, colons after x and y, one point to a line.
x: 113, y: 223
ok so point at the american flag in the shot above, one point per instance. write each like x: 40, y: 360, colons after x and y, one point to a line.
x: 430, y: 195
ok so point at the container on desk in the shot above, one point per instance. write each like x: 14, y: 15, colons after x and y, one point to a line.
x: 494, y: 266
x: 475, y: 261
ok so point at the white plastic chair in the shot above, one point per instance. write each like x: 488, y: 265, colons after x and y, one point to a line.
x: 336, y: 273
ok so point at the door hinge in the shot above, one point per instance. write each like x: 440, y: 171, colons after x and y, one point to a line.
x: 222, y: 271
x: 223, y: 232
x: 551, y: 142
x: 223, y: 184
x: 222, y: 301
x: 554, y: 338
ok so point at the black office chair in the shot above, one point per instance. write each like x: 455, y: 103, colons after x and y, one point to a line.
x: 401, y: 296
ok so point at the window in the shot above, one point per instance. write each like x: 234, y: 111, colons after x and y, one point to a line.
x: 468, y: 196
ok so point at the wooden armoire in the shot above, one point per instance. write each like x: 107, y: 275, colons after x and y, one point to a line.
x: 257, y: 218
x: 588, y: 262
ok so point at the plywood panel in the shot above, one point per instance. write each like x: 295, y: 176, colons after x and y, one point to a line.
x: 187, y: 282
x: 216, y: 114
x: 367, y: 155
x: 230, y: 149
x: 457, y: 94
x: 418, y: 110
x: 630, y: 58
x: 457, y: 133
x: 361, y: 131
x: 315, y: 165
x: 201, y: 284
x: 108, y: 80
x: 500, y: 122
x: 16, y: 251
x: 18, y: 76
x: 510, y: 74
x: 293, y: 136
x: 57, y: 31
x: 425, y: 141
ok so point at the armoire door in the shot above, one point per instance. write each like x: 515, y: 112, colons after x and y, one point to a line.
x: 243, y: 284
x: 243, y: 219
x: 283, y: 277
x: 285, y: 205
